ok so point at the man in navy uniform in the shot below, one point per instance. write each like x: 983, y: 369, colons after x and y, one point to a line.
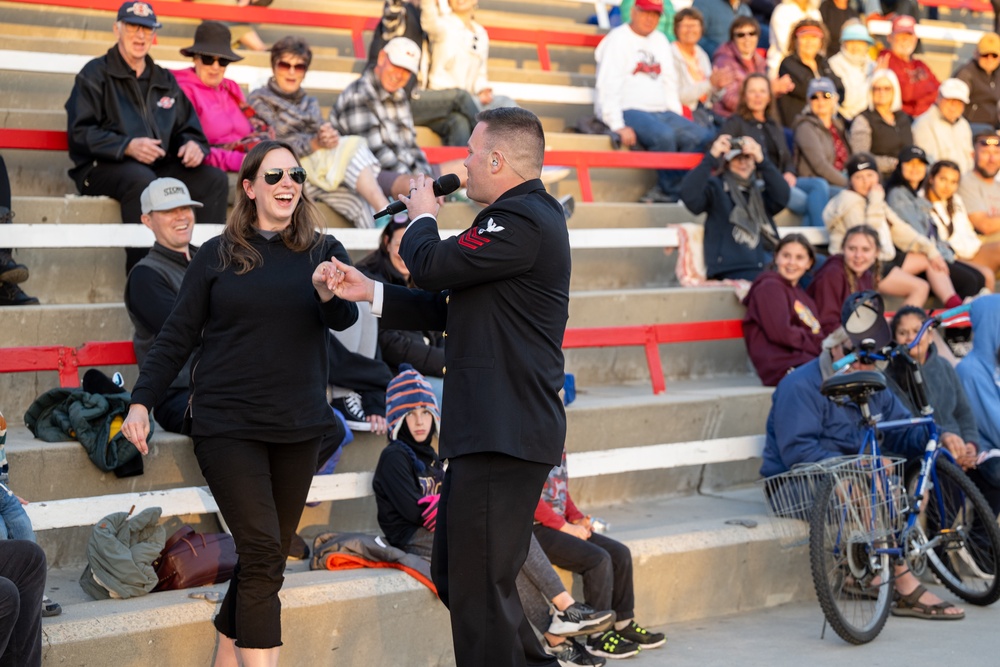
x: 500, y: 291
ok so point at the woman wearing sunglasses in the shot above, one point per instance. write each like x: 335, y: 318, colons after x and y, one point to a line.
x: 218, y: 101
x: 255, y: 299
x: 344, y: 170
x: 820, y: 137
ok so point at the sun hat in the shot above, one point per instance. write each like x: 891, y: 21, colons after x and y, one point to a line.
x: 212, y: 38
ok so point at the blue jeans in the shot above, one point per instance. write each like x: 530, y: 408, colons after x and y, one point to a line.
x: 667, y: 132
x: 14, y: 521
x: 809, y: 197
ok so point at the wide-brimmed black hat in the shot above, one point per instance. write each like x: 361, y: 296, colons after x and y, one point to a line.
x: 212, y: 39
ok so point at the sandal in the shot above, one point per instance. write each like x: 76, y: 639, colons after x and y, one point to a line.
x: 910, y: 605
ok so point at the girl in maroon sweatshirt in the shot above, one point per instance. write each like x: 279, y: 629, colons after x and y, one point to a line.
x: 780, y: 328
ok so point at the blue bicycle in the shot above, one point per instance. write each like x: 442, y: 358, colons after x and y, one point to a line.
x: 868, y: 517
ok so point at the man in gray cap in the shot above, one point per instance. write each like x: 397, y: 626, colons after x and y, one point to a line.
x: 153, y: 283
x: 130, y: 123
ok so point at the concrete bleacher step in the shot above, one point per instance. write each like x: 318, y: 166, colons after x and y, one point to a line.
x: 94, y: 275
x: 688, y: 564
x: 46, y: 91
x: 603, y: 418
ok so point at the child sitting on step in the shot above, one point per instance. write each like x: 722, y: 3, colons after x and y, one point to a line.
x: 567, y: 536
x: 407, y: 485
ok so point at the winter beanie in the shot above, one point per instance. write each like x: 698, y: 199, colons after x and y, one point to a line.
x: 406, y: 392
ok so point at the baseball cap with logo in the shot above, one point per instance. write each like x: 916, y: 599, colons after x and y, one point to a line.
x: 989, y: 44
x: 650, y: 5
x: 165, y: 194
x: 904, y: 24
x: 403, y: 52
x: 913, y: 153
x: 954, y: 89
x: 860, y: 162
x: 138, y: 13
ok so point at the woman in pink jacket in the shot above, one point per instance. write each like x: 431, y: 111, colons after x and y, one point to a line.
x: 223, y: 111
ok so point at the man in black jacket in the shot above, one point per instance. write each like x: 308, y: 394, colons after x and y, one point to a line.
x: 500, y: 290
x: 129, y: 123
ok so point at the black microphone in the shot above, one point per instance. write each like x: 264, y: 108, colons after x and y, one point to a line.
x: 442, y: 186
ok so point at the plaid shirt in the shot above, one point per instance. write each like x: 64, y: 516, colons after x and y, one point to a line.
x: 384, y: 119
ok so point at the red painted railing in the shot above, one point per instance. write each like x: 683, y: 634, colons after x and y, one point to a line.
x: 68, y: 360
x: 582, y: 161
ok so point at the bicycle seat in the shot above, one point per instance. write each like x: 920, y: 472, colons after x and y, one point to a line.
x: 854, y: 385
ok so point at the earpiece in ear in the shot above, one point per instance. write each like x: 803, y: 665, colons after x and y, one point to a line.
x: 495, y: 163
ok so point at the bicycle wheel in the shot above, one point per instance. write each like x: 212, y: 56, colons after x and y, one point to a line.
x: 963, y: 534
x: 853, y: 581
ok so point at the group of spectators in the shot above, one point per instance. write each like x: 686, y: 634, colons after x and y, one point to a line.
x: 899, y: 167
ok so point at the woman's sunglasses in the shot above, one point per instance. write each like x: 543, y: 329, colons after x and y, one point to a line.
x: 287, y: 66
x: 272, y: 176
x: 821, y: 96
x: 208, y: 61
x: 748, y: 33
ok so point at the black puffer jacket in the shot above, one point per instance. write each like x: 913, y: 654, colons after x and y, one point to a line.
x: 106, y: 110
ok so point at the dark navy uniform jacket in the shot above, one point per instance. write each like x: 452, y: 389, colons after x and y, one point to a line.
x: 500, y: 290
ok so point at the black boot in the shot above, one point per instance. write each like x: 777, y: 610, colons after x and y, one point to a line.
x: 12, y: 295
x: 10, y: 271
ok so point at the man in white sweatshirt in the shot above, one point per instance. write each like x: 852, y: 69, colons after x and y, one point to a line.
x: 636, y: 95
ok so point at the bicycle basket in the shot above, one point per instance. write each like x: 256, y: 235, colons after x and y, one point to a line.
x: 871, y: 489
x: 789, y: 497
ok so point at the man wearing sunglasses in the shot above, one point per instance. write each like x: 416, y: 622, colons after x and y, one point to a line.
x: 129, y: 123
x: 982, y: 75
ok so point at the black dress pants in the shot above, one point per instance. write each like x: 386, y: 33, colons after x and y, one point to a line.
x: 125, y: 181
x: 261, y: 489
x: 483, y: 530
x: 604, y: 564
x: 22, y: 583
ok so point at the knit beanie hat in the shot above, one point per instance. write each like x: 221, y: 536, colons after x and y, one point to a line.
x: 406, y: 392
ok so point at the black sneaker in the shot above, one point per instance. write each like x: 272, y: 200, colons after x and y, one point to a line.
x: 643, y: 637
x: 50, y: 608
x: 12, y: 295
x: 11, y: 271
x: 580, y: 619
x: 354, y: 413
x: 571, y: 653
x: 612, y: 645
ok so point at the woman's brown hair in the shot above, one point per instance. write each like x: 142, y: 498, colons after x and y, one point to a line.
x: 741, y: 107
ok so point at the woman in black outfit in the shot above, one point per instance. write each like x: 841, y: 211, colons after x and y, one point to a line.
x: 807, y: 61
x: 256, y: 299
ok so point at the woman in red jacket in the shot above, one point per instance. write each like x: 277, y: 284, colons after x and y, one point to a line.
x: 780, y: 328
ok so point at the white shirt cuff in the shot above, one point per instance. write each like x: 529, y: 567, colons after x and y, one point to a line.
x: 377, y: 300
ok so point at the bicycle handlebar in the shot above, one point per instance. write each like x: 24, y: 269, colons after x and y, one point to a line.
x: 892, y: 349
